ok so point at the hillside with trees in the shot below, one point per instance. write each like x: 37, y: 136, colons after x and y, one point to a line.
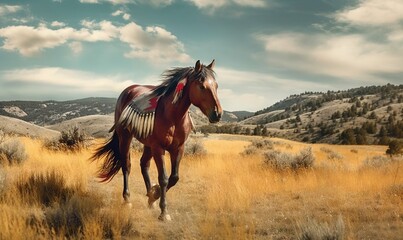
x: 365, y: 115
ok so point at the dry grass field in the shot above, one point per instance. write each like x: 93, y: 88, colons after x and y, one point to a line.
x: 221, y: 195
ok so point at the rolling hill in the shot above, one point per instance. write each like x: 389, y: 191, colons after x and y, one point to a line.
x: 356, y: 116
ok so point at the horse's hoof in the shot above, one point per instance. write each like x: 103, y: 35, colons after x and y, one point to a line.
x: 164, y: 217
x: 153, y: 195
x: 151, y: 204
x: 155, y: 192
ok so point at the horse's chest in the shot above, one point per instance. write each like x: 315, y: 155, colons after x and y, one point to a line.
x: 175, y: 136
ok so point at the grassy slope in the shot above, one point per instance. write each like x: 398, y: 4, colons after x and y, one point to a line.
x: 225, y: 195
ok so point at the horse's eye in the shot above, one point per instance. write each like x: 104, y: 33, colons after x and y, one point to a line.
x: 202, y: 87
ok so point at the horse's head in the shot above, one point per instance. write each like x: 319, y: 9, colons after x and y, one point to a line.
x: 203, y: 91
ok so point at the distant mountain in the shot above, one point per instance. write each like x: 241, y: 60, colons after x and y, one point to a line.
x: 45, y: 113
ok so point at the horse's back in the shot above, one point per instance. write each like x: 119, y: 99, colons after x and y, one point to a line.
x: 128, y: 95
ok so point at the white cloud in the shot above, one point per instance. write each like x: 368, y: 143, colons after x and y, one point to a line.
x: 6, y: 9
x: 158, y: 3
x: 114, y: 2
x: 76, y: 47
x: 373, y: 13
x: 57, y: 24
x: 117, y: 13
x: 89, y: 1
x: 30, y: 40
x: 251, y: 3
x: 88, y: 23
x: 155, y: 44
x: 233, y: 100
x: 215, y: 4
x: 64, y: 80
x: 396, y: 36
x: 349, y: 56
x: 125, y: 15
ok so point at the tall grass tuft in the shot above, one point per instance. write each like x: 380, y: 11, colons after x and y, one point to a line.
x: 313, y: 230
x: 44, y: 189
x: 12, y: 152
x: 70, y: 216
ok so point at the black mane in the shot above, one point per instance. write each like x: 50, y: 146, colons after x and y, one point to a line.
x: 170, y: 78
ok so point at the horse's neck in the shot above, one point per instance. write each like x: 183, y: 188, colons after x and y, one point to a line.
x: 175, y: 113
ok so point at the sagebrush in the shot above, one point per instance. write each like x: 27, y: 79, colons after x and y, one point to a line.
x: 73, y: 139
x: 195, y: 147
x: 12, y: 152
x: 282, y: 161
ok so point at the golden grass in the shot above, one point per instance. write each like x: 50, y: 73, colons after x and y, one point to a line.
x: 223, y: 195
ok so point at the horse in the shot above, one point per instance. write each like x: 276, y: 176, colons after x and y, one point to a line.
x: 158, y: 117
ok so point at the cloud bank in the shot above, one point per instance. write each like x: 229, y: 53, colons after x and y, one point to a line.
x: 152, y: 43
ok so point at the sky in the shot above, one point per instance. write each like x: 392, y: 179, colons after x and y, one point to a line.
x: 265, y: 50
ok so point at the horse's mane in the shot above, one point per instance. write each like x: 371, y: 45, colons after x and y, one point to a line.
x: 170, y: 78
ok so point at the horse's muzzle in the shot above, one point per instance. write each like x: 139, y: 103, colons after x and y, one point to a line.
x: 215, y: 117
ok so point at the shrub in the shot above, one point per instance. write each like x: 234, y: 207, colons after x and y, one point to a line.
x: 395, y: 147
x: 331, y: 155
x: 12, y: 152
x: 250, y: 150
x: 257, y: 145
x: 263, y: 144
x: 312, y: 230
x: 195, y: 147
x: 377, y: 161
x: 354, y: 150
x: 72, y: 139
x: 282, y: 161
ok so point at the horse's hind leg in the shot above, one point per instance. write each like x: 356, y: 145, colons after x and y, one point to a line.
x: 125, y: 139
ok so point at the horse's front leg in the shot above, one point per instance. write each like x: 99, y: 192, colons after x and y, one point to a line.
x: 158, y: 154
x: 145, y: 166
x: 176, y: 156
x: 125, y: 140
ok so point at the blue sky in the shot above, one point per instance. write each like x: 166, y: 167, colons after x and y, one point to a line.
x: 265, y: 50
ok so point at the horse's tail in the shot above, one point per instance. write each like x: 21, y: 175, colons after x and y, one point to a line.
x: 110, y: 152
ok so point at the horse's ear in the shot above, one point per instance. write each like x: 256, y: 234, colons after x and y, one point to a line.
x: 198, y: 66
x: 211, y: 65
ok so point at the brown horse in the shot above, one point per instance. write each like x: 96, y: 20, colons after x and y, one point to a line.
x: 158, y: 117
